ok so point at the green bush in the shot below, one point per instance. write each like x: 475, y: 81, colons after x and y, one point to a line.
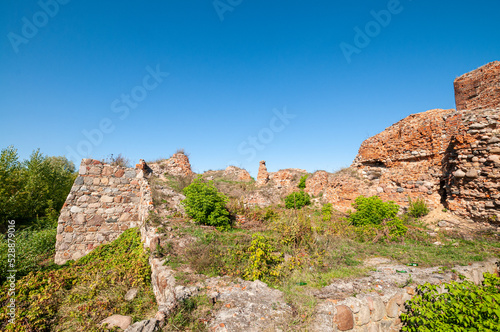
x: 302, y: 182
x: 206, y: 205
x: 297, y: 200
x: 263, y: 263
x: 326, y: 212
x: 464, y: 307
x: 372, y: 211
x: 417, y: 208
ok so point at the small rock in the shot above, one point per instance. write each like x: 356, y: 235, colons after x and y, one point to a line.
x: 131, y: 294
x: 494, y: 139
x: 459, y: 174
x: 437, y: 243
x: 118, y: 321
x: 442, y: 223
x: 471, y: 173
x: 144, y: 326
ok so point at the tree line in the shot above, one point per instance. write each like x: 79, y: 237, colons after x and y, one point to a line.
x: 34, y: 188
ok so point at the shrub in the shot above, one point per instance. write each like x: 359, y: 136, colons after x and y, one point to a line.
x: 417, y: 208
x: 389, y: 230
x: 263, y: 263
x: 119, y: 160
x: 465, y: 307
x: 302, y: 182
x: 297, y: 200
x: 205, y: 205
x: 372, y: 211
x: 293, y: 229
x: 326, y: 212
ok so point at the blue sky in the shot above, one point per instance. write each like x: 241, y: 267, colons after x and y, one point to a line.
x: 247, y: 80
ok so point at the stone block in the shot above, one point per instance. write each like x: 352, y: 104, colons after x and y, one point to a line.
x: 344, y: 318
x: 107, y: 171
x: 107, y: 199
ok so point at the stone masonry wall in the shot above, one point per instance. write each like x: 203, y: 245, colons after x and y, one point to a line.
x: 472, y: 169
x: 103, y: 202
x: 479, y: 88
x: 380, y: 309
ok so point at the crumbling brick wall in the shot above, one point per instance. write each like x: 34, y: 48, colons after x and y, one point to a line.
x: 479, y: 88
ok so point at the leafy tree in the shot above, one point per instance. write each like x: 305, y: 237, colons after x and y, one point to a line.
x: 10, y: 183
x: 206, y: 205
x: 302, y: 182
x: 36, y: 187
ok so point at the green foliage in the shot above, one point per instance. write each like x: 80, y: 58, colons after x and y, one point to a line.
x: 263, y: 262
x: 293, y: 230
x: 221, y: 253
x: 270, y: 215
x: 33, y: 247
x: 464, y: 307
x: 372, y: 211
x: 417, y: 208
x: 206, y: 205
x: 297, y: 200
x: 302, y: 182
x: 33, y: 188
x: 78, y: 295
x: 326, y: 212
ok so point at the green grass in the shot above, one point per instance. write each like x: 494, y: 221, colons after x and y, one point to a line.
x: 34, y: 248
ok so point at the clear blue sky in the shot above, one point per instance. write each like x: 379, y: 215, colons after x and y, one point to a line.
x: 231, y: 66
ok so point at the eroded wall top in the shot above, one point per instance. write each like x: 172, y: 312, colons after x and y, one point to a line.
x: 479, y: 88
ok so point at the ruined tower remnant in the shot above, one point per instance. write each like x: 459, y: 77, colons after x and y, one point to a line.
x: 263, y: 175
